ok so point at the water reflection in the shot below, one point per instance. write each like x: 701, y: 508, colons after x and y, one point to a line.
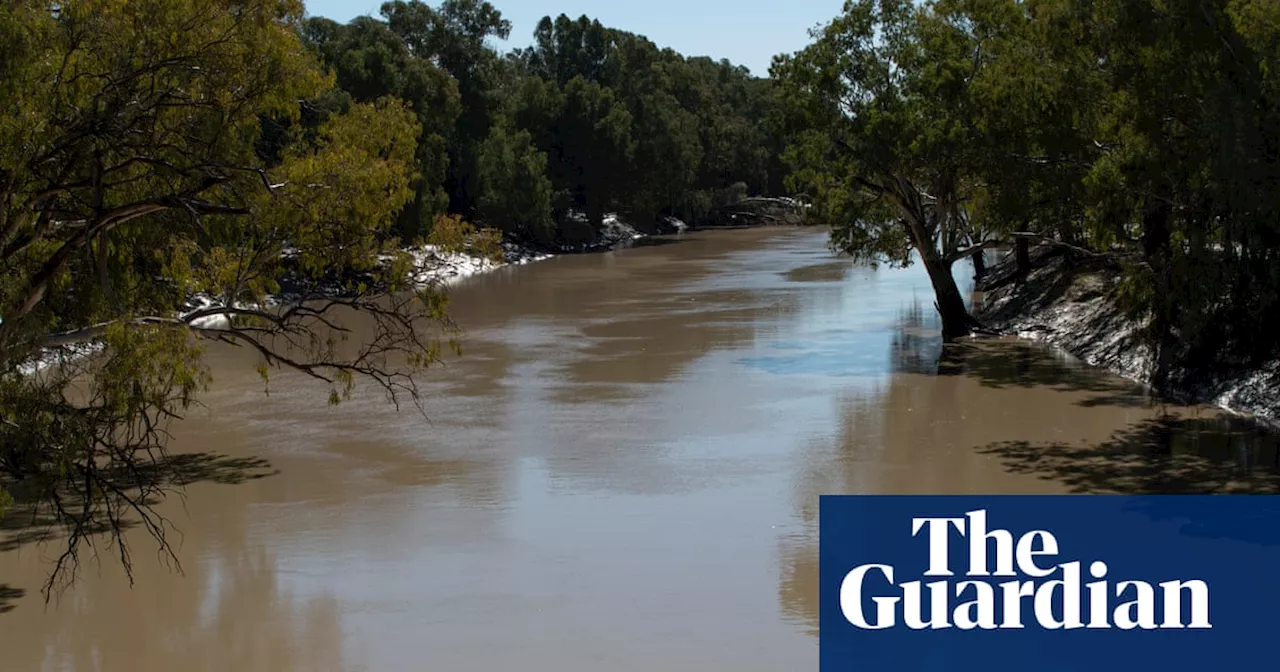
x: 9, y: 595
x: 228, y: 609
x: 917, y: 341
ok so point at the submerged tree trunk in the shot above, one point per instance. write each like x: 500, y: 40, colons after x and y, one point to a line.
x: 956, y: 321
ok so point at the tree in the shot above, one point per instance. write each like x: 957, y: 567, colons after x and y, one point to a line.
x: 566, y: 48
x: 881, y: 102
x: 517, y: 193
x: 1186, y: 173
x: 1137, y: 132
x: 697, y: 127
x: 668, y: 150
x: 453, y: 36
x: 594, y: 145
x: 370, y: 61
x: 1144, y: 133
x: 131, y: 178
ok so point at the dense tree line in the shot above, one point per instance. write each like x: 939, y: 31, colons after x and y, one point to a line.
x: 543, y: 141
x: 1146, y: 132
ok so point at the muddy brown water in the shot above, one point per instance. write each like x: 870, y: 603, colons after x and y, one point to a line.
x: 621, y: 473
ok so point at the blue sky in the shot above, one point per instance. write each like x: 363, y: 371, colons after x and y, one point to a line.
x: 747, y: 32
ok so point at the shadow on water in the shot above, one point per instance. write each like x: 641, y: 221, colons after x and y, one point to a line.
x: 1161, y: 455
x: 835, y: 271
x: 9, y: 595
x: 190, y: 468
x: 1004, y: 363
x: 1164, y: 455
x: 31, y: 521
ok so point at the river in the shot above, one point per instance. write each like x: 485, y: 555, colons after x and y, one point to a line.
x: 621, y: 473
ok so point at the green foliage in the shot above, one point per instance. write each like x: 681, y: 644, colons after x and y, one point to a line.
x: 677, y: 130
x: 882, y: 107
x: 453, y: 36
x: 451, y: 234
x: 517, y: 193
x: 593, y: 146
x: 370, y: 61
x: 566, y: 48
x: 1144, y: 130
x: 159, y: 148
x: 588, y: 120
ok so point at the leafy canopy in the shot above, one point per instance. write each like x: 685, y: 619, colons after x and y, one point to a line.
x: 153, y: 150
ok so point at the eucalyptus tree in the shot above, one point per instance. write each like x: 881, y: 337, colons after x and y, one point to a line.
x: 131, y: 177
x: 666, y: 135
x: 882, y: 107
x: 1188, y: 172
x: 370, y: 61
x: 1142, y: 132
x: 454, y: 36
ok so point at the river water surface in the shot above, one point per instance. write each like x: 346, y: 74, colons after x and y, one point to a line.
x: 621, y: 473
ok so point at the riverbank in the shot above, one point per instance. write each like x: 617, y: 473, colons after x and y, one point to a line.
x: 1070, y: 301
x: 432, y: 266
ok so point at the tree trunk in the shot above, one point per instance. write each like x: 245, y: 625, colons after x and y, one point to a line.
x: 956, y: 321
x: 979, y: 265
x: 1156, y: 234
x: 1022, y: 254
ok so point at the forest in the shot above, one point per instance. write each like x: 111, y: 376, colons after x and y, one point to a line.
x: 541, y: 142
x: 240, y: 149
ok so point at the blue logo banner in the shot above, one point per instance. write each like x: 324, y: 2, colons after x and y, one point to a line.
x: 1076, y: 582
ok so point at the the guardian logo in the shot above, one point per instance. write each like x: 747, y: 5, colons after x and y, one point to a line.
x: 1039, y: 589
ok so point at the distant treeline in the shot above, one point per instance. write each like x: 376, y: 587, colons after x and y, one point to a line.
x: 543, y: 141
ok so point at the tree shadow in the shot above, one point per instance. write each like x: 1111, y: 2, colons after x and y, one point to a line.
x: 1165, y: 455
x: 32, y: 519
x: 33, y: 523
x: 917, y: 347
x: 1002, y: 363
x: 1006, y: 363
x: 1054, y: 271
x: 831, y: 271
x: 9, y: 595
x: 190, y: 468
